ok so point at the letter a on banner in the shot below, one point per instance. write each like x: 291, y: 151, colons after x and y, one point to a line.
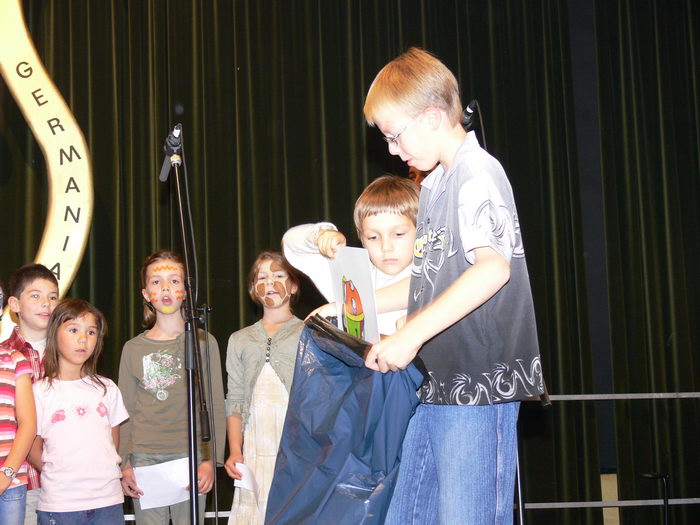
x: 62, y: 143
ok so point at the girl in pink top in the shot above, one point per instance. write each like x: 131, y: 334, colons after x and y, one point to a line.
x: 78, y: 417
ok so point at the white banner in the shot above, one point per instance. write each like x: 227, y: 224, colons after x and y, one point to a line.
x: 62, y: 142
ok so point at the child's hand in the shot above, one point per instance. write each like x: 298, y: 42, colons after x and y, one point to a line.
x: 230, y: 466
x: 328, y: 242
x: 129, y: 485
x: 4, y: 483
x: 327, y: 310
x: 205, y: 477
x: 393, y: 353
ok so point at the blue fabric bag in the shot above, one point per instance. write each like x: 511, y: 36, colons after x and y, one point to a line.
x: 341, y: 445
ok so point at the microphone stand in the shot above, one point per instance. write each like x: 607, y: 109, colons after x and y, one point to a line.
x: 193, y: 360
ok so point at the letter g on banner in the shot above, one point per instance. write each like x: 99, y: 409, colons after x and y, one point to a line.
x: 62, y: 142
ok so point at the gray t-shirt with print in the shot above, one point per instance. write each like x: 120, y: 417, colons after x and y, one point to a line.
x: 491, y: 355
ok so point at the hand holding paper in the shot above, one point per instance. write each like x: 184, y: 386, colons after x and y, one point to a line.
x: 329, y: 241
x: 248, y: 481
x: 163, y: 484
x: 129, y: 485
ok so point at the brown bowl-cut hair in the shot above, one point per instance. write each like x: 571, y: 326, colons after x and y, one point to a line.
x: 278, y: 258
x: 26, y: 275
x: 149, y: 312
x: 387, y: 194
x: 67, y: 310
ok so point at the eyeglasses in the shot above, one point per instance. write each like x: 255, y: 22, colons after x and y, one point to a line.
x: 394, y: 140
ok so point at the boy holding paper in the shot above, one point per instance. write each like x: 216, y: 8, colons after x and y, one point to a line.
x: 385, y: 219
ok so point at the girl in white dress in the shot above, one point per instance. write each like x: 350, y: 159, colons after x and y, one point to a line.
x: 260, y: 366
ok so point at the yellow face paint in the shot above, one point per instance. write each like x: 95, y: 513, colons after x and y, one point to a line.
x: 168, y: 309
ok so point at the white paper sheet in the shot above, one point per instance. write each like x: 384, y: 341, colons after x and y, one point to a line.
x: 353, y: 288
x: 248, y: 481
x: 163, y: 484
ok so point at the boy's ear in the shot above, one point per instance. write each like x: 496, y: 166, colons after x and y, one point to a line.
x: 433, y: 117
x: 13, y: 303
x: 145, y: 295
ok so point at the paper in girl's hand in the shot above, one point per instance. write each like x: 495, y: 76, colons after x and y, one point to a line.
x: 163, y: 484
x: 247, y: 480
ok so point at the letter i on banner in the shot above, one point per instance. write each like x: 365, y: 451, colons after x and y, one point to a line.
x: 63, y: 145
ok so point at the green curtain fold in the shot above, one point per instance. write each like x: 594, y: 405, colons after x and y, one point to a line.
x: 650, y: 129
x: 270, y: 96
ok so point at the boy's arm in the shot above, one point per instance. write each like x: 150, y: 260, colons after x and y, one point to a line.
x: 302, y: 251
x: 303, y: 239
x: 472, y: 289
x: 26, y: 427
x: 393, y: 297
x: 388, y: 299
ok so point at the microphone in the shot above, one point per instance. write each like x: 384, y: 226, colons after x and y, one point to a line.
x: 172, y: 147
x: 468, y: 115
x: 469, y: 120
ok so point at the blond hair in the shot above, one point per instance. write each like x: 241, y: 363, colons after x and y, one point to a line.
x: 387, y: 194
x: 411, y: 83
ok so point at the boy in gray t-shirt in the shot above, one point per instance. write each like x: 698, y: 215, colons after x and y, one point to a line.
x: 469, y: 306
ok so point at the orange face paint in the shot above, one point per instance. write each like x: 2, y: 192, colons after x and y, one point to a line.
x: 165, y: 268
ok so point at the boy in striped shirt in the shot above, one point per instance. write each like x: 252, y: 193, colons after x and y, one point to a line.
x: 17, y: 431
x: 33, y: 294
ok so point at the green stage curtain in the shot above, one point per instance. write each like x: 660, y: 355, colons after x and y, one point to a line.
x: 270, y: 96
x: 649, y: 69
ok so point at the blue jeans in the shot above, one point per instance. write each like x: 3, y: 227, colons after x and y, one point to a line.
x: 12, y: 503
x: 112, y: 515
x: 457, y: 466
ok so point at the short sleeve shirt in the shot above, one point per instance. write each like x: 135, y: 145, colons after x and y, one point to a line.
x: 492, y: 354
x: 13, y: 365
x: 33, y: 352
x: 80, y: 462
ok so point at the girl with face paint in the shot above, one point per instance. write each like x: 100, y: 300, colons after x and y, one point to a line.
x: 152, y: 379
x: 260, y: 365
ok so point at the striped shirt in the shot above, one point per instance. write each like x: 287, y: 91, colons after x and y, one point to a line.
x: 18, y: 343
x: 12, y: 366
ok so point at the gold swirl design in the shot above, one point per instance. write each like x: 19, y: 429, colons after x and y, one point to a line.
x: 71, y: 197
